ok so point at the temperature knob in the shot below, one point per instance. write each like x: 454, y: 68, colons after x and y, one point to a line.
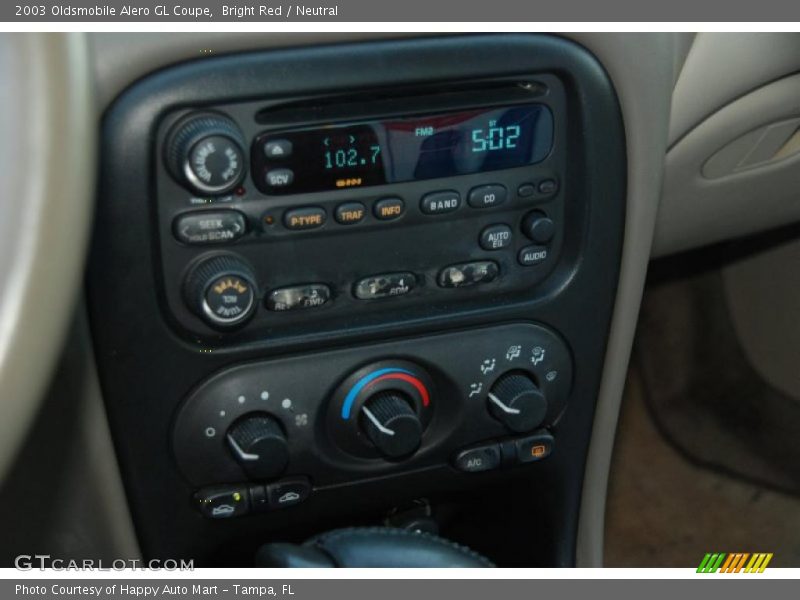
x: 222, y: 291
x: 205, y: 153
x: 391, y: 424
x: 516, y: 401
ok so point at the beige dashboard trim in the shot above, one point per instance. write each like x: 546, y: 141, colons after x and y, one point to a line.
x: 47, y: 162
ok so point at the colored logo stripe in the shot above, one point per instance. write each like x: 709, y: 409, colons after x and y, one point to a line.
x: 380, y: 375
x: 734, y: 563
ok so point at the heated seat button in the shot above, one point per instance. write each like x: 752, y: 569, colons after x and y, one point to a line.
x: 495, y: 237
x: 218, y: 227
x: 471, y: 273
x: 531, y: 256
x: 307, y: 217
x: 223, y: 502
x: 535, y: 447
x: 384, y: 286
x: 388, y: 209
x: 480, y: 458
x: 487, y: 196
x: 437, y: 203
x: 288, y: 492
x: 350, y: 213
x: 299, y: 296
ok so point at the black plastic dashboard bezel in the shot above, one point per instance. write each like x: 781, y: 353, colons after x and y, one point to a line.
x: 146, y: 369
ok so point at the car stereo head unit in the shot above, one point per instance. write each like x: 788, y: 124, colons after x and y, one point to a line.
x: 399, y: 149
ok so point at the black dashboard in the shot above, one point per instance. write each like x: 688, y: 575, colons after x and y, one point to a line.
x: 333, y: 283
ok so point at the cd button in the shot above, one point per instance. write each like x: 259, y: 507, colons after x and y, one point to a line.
x: 487, y: 196
x: 389, y: 208
x: 384, y: 286
x: 350, y: 213
x: 299, y: 296
x: 279, y: 178
x: 278, y: 149
x: 308, y: 217
x: 437, y: 203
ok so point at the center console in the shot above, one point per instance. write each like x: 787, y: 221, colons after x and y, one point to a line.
x: 327, y: 284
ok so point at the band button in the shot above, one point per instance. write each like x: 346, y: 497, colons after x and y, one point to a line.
x: 308, y: 217
x: 388, y: 209
x: 437, y: 203
x: 350, y: 213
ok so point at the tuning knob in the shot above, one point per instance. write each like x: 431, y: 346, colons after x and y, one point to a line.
x: 516, y: 401
x: 205, y: 153
x: 222, y: 290
x: 391, y: 424
x: 259, y: 445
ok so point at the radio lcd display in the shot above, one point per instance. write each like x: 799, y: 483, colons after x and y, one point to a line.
x: 403, y: 149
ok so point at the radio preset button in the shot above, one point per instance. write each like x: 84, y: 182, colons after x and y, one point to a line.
x: 437, y: 203
x: 279, y: 178
x: 548, y: 187
x: 526, y: 190
x: 384, y: 286
x: 278, y: 149
x: 495, y: 237
x: 350, y: 213
x: 530, y: 256
x: 487, y: 196
x: 206, y: 227
x: 471, y: 273
x: 307, y: 217
x: 299, y: 296
x: 388, y: 208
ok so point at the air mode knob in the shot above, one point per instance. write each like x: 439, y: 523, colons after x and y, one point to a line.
x: 222, y: 290
x: 516, y: 401
x: 391, y: 424
x: 205, y: 153
x: 259, y: 445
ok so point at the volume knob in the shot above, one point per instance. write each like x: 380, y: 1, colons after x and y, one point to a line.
x: 205, y: 153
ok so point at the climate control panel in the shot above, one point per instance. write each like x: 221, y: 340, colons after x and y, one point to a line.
x: 384, y: 409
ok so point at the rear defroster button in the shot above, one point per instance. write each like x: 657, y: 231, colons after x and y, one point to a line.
x: 385, y: 285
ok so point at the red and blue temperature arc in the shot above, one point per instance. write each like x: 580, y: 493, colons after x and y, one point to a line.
x: 381, y: 375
